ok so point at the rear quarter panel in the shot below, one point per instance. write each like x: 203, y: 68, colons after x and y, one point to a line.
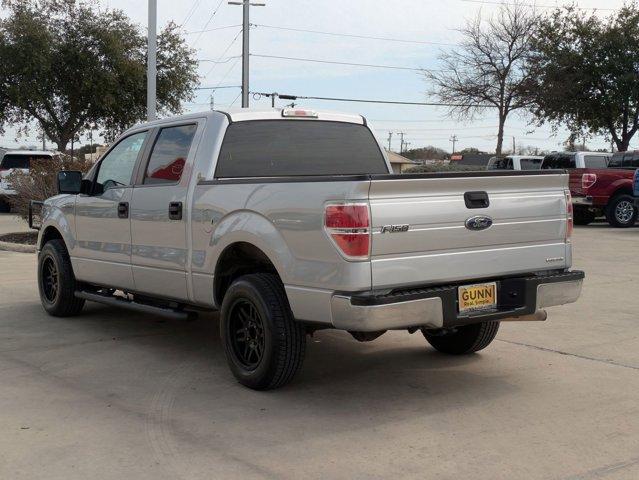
x: 610, y: 181
x: 285, y: 221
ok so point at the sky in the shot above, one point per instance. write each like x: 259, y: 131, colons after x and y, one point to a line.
x: 431, y: 24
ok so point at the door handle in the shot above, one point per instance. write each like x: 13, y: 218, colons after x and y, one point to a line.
x: 123, y: 210
x: 175, y: 210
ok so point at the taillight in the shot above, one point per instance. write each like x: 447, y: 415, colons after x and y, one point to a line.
x: 569, y: 216
x: 348, y: 225
x: 588, y: 180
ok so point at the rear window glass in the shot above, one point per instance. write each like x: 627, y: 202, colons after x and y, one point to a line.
x: 272, y: 148
x: 20, y: 161
x: 169, y: 154
x: 595, y: 161
x: 558, y: 161
x: 500, y: 164
x: 530, y: 163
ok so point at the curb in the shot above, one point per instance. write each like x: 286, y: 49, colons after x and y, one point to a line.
x: 17, y: 247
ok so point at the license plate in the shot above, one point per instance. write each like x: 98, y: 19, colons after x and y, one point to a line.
x: 477, y: 297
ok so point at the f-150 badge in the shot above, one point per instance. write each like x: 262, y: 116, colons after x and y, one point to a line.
x: 395, y: 228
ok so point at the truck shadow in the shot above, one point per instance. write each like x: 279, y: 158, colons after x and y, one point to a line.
x: 173, y: 375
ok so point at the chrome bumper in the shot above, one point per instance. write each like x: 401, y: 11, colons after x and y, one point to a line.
x: 582, y: 201
x: 519, y: 299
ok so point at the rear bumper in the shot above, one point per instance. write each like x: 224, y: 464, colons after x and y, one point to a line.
x: 583, y: 201
x: 518, y: 298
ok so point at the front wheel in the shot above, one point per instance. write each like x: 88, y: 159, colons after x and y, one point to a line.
x: 463, y: 340
x: 263, y: 343
x: 56, y: 281
x: 621, y: 211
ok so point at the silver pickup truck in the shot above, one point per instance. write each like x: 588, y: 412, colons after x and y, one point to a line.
x: 289, y: 221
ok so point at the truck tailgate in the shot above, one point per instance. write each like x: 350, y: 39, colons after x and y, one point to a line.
x: 527, y: 234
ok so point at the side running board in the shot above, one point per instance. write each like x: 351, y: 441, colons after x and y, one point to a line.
x: 114, y: 301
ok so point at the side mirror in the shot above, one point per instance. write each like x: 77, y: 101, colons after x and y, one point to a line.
x: 70, y: 181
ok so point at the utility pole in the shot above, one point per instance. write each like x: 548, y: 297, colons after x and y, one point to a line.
x: 453, y: 138
x: 246, y: 30
x: 390, y: 138
x: 401, y: 143
x: 514, y: 149
x: 151, y: 68
x: 44, y: 140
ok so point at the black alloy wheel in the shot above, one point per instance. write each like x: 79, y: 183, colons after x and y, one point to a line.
x: 50, y: 280
x: 247, y: 333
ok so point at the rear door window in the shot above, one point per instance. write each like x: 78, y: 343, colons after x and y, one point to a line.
x: 274, y: 148
x: 168, y: 155
x: 631, y: 161
x: 596, y: 161
x: 616, y: 161
x: 530, y: 163
x: 559, y: 161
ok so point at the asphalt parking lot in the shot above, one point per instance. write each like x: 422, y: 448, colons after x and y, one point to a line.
x: 113, y: 394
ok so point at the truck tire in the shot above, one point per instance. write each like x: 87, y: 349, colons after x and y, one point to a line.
x: 621, y: 211
x: 464, y: 340
x: 263, y: 343
x: 5, y: 206
x: 583, y: 216
x: 56, y: 281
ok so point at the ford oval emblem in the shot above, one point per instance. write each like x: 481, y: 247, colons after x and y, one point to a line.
x: 480, y: 222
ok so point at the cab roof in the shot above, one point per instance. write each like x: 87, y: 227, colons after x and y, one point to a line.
x: 246, y: 114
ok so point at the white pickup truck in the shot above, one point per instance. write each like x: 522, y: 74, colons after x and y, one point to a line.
x: 289, y: 221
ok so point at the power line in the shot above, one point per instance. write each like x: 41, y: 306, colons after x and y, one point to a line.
x: 227, y: 72
x: 532, y: 5
x: 227, y: 60
x: 313, y: 60
x: 213, y: 29
x: 361, y: 100
x: 336, y: 34
x: 224, y: 53
x: 191, y: 12
x: 218, y: 87
x: 440, y: 129
x: 208, y: 22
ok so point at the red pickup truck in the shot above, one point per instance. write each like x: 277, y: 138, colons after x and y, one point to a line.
x: 606, y: 190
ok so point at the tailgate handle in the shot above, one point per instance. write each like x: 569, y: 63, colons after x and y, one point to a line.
x: 476, y: 200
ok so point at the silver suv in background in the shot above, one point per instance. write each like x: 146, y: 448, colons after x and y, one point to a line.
x: 515, y: 162
x: 290, y: 221
x: 16, y: 160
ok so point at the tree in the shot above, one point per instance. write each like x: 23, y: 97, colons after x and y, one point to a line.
x: 487, y: 70
x: 68, y: 64
x: 426, y: 153
x: 585, y: 75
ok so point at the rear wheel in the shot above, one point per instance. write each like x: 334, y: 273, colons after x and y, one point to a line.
x: 621, y: 211
x: 463, y: 340
x: 583, y: 216
x: 263, y: 343
x: 56, y: 281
